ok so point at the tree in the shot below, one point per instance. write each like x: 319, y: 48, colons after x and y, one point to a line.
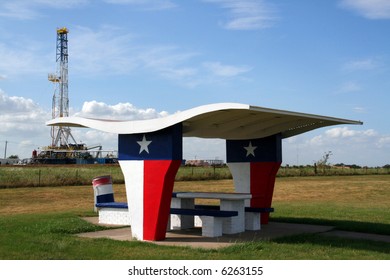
x: 13, y: 157
x: 325, y: 158
x: 323, y: 162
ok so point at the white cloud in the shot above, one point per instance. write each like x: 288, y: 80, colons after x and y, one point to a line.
x: 145, y: 4
x: 371, y: 9
x: 15, y: 105
x: 345, y: 132
x: 110, y: 54
x: 247, y: 14
x: 344, y: 136
x: 361, y: 65
x: 199, y: 148
x: 358, y: 109
x: 349, y: 87
x: 348, y: 145
x: 384, y: 142
x: 29, y: 9
x: 19, y: 115
x: 22, y: 124
x: 120, y: 111
x: 169, y: 62
x: 21, y: 60
x: 219, y: 69
x: 60, y: 4
x: 123, y: 55
x: 93, y: 138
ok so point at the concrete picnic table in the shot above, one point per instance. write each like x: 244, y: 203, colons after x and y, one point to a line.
x: 227, y: 202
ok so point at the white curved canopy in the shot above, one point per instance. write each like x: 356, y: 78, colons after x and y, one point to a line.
x: 232, y: 121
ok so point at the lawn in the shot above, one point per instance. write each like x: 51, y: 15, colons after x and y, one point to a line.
x: 39, y: 223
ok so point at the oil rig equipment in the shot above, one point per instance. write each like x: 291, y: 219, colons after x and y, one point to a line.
x: 64, y: 149
x: 61, y: 135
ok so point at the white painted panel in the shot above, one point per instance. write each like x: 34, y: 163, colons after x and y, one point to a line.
x: 133, y: 171
x: 241, y: 172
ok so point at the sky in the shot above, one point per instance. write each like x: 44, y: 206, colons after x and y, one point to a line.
x: 142, y: 59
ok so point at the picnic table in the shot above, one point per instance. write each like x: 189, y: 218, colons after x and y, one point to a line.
x: 227, y: 202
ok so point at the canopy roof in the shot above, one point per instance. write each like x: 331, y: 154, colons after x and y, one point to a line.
x: 232, y: 121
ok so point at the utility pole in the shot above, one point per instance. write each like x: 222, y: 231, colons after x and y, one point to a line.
x: 5, y: 149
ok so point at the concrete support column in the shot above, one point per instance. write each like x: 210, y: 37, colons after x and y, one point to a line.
x: 254, y: 164
x: 149, y: 162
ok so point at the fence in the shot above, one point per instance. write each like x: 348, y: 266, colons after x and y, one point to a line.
x: 68, y: 175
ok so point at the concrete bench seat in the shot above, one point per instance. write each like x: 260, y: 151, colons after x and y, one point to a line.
x: 259, y: 209
x: 122, y: 205
x: 113, y: 213
x: 110, y: 212
x: 203, y: 212
x: 252, y: 214
x: 209, y: 207
x: 211, y: 219
x: 247, y: 209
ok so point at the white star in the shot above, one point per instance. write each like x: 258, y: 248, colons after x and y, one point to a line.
x: 144, y: 145
x: 250, y: 150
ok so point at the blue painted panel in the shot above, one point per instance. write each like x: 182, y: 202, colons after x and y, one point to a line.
x: 164, y: 144
x: 268, y: 149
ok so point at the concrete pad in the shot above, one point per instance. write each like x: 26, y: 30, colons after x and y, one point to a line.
x: 193, y: 237
x: 123, y: 234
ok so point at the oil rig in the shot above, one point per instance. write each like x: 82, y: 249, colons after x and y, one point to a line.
x: 60, y: 135
x: 64, y: 149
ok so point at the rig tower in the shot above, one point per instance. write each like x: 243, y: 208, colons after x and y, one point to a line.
x: 63, y: 148
x: 60, y: 105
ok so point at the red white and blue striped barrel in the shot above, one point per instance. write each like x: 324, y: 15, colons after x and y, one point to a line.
x: 102, y: 187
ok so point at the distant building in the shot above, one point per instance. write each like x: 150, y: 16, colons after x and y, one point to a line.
x: 6, y: 161
x: 204, y: 162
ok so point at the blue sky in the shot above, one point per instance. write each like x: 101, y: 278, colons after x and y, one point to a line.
x: 137, y: 59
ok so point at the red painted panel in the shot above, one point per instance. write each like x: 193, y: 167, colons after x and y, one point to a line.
x: 262, y: 182
x: 159, y: 176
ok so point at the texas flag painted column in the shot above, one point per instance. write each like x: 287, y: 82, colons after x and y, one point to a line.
x: 149, y: 163
x: 254, y: 164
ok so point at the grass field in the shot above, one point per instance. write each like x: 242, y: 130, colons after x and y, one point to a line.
x: 40, y: 222
x: 12, y: 176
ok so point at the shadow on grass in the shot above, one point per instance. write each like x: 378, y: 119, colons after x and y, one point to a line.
x: 356, y: 245
x: 338, y: 242
x: 363, y: 227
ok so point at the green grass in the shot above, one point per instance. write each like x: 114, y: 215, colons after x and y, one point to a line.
x: 41, y: 223
x: 51, y: 236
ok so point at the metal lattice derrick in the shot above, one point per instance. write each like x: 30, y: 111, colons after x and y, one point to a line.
x: 60, y: 104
